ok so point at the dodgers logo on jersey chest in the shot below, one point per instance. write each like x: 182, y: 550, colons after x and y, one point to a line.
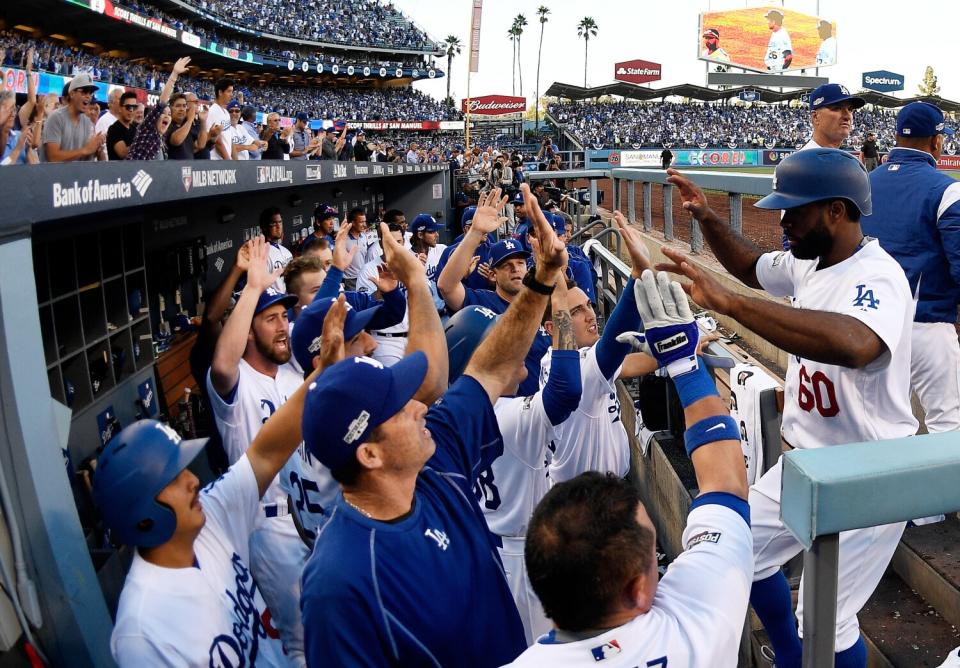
x: 440, y: 537
x: 865, y: 298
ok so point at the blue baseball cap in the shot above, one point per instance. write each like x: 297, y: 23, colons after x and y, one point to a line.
x: 468, y: 215
x: 920, y: 119
x: 425, y: 222
x: 558, y: 222
x: 506, y: 249
x: 233, y: 104
x: 831, y: 93
x: 272, y: 296
x: 517, y: 198
x: 324, y: 211
x: 308, y: 328
x: 303, y: 116
x: 352, y: 398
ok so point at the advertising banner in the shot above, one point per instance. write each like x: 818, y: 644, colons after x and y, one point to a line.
x: 715, y: 157
x: 949, y: 162
x: 767, y: 39
x: 476, y: 14
x: 882, y: 81
x: 649, y: 158
x: 495, y: 105
x: 637, y: 71
x: 772, y: 157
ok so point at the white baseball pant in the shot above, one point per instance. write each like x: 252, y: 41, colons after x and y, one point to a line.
x: 390, y: 349
x: 935, y: 374
x: 535, y: 622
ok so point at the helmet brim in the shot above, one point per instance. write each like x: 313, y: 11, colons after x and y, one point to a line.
x: 777, y: 200
x: 189, y: 449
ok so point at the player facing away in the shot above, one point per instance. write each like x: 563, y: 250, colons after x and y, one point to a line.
x: 590, y: 548
x: 190, y: 598
x: 848, y: 377
x: 406, y: 571
x: 779, y: 53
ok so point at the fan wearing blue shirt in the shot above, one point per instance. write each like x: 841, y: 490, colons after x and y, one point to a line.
x: 406, y: 573
x: 509, y: 264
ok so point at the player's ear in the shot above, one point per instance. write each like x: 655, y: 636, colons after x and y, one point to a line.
x: 639, y: 593
x: 368, y: 454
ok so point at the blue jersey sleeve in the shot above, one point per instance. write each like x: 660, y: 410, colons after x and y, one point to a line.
x: 331, y: 284
x: 464, y: 429
x: 561, y: 395
x: 394, y: 308
x: 625, y: 318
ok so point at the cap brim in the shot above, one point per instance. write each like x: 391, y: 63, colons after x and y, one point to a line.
x: 189, y: 449
x: 360, y: 321
x: 408, y: 375
x: 520, y: 253
x: 286, y: 300
x: 781, y: 201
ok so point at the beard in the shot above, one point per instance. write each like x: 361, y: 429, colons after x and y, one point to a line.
x: 814, y: 244
x: 270, y: 350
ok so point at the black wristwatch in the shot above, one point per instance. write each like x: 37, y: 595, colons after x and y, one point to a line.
x: 530, y: 280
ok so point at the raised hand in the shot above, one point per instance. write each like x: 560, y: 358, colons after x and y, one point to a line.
x: 343, y: 256
x: 487, y: 217
x: 180, y: 66
x: 552, y: 251
x: 385, y: 279
x: 243, y: 257
x: 693, y: 198
x: 333, y: 349
x: 259, y: 275
x: 639, y: 255
x: 703, y: 288
x: 402, y: 263
x: 670, y: 332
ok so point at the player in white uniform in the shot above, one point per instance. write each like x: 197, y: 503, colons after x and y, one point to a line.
x: 827, y: 53
x: 271, y: 224
x: 248, y: 381
x: 848, y: 378
x: 189, y: 598
x: 425, y: 231
x: 779, y: 49
x: 591, y: 545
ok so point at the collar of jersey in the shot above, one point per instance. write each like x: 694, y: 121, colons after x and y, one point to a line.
x: 410, y: 521
x: 904, y: 154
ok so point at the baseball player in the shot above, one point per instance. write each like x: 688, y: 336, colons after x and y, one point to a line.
x: 366, y: 246
x: 324, y: 217
x: 916, y: 218
x: 580, y: 269
x: 509, y: 263
x: 425, y: 235
x: 509, y: 488
x: 407, y: 544
x: 848, y: 336
x: 827, y: 53
x: 248, y: 380
x: 712, y: 48
x: 479, y: 277
x: 779, y: 48
x: 590, y: 547
x: 190, y: 598
x: 271, y: 224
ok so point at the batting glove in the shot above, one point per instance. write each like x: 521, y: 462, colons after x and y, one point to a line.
x: 670, y: 333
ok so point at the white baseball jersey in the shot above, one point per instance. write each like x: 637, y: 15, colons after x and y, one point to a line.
x: 218, y: 116
x: 827, y: 54
x: 779, y: 42
x: 593, y: 437
x: 433, y: 259
x: 278, y: 257
x: 827, y: 404
x: 697, y: 614
x: 212, y: 614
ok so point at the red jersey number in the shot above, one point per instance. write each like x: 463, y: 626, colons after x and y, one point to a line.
x: 817, y: 391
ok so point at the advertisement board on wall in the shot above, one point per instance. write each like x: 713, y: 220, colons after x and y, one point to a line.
x: 882, y: 81
x: 495, y: 105
x: 772, y: 157
x: 767, y: 39
x: 650, y: 158
x: 637, y: 71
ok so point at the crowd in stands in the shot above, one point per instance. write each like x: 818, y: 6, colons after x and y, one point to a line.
x: 636, y: 124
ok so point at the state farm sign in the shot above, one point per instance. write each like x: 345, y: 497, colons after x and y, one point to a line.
x: 637, y: 71
x: 495, y: 105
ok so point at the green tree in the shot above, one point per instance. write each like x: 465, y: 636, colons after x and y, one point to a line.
x: 519, y: 23
x: 542, y: 13
x: 453, y: 45
x: 512, y: 35
x: 586, y: 29
x: 929, y: 85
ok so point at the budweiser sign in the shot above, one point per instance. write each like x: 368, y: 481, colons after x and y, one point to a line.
x: 495, y: 105
x: 637, y: 71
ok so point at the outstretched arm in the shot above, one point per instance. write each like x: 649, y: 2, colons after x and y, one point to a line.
x: 561, y: 394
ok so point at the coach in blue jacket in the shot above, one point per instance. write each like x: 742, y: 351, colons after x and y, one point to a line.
x: 916, y: 218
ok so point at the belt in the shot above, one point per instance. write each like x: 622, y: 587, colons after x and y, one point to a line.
x: 278, y: 509
x: 392, y: 335
x: 512, y: 544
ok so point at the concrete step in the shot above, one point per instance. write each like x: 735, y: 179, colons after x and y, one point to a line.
x: 928, y: 560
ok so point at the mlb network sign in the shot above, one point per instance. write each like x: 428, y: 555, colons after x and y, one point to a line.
x: 637, y: 71
x: 882, y: 81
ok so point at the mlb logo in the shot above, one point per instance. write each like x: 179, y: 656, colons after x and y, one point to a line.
x: 186, y: 175
x: 606, y: 650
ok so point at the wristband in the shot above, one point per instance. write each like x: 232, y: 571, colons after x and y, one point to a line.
x: 695, y: 385
x: 710, y: 430
x: 530, y: 280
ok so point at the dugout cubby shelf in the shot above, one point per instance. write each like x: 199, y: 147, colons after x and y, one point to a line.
x: 94, y: 319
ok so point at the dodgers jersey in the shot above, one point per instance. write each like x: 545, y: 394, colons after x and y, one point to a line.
x: 428, y: 588
x: 433, y: 261
x: 779, y: 42
x: 208, y: 615
x: 827, y: 53
x: 827, y: 404
x: 698, y: 611
x: 278, y: 257
x: 593, y: 437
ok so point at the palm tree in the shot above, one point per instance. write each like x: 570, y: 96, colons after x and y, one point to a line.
x: 452, y: 42
x: 512, y: 36
x: 542, y: 12
x: 519, y: 23
x: 586, y: 29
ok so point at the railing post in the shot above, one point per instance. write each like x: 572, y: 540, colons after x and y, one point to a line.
x: 696, y: 236
x: 668, y: 211
x: 616, y: 193
x: 647, y: 206
x: 593, y: 197
x: 820, y: 565
x: 736, y: 212
x: 631, y: 201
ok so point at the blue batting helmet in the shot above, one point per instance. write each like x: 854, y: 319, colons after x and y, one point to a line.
x: 132, y: 470
x: 464, y: 332
x: 817, y: 174
x: 467, y: 217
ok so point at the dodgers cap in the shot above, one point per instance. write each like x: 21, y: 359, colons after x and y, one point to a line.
x: 502, y: 251
x: 920, y: 119
x: 308, y: 328
x: 831, y: 93
x: 272, y: 296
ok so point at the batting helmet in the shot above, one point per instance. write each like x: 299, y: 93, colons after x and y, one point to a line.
x: 468, y: 214
x: 464, y: 331
x: 818, y: 174
x: 131, y: 471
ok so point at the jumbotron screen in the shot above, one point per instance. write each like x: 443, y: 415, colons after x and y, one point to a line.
x: 767, y: 39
